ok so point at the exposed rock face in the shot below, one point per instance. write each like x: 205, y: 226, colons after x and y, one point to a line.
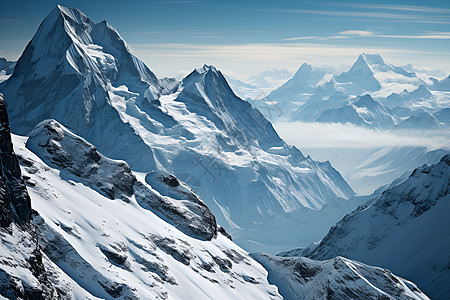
x: 15, y: 204
x: 22, y: 271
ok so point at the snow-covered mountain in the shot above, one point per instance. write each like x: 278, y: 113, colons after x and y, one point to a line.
x: 81, y: 74
x: 298, y: 89
x: 404, y: 229
x: 420, y: 98
x: 6, y: 69
x: 370, y: 74
x: 426, y: 121
x: 131, y: 235
x: 443, y: 85
x: 101, y: 231
x: 362, y: 111
x: 337, y: 278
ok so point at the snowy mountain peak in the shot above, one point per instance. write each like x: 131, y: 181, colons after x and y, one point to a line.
x: 372, y: 59
x: 409, y: 221
x: 366, y: 101
x: 304, y: 71
x: 206, y: 68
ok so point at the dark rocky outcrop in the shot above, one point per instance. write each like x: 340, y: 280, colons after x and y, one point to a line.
x: 15, y: 208
x: 15, y: 203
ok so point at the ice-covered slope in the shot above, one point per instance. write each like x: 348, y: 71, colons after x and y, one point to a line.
x: 362, y: 111
x: 82, y: 75
x: 107, y: 232
x: 337, y: 278
x: 404, y: 229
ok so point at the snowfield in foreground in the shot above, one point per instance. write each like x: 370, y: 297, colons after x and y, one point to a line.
x: 120, y: 248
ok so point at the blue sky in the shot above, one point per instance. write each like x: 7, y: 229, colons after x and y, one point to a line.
x: 246, y: 37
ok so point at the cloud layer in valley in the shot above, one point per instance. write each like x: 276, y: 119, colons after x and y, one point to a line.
x: 336, y: 135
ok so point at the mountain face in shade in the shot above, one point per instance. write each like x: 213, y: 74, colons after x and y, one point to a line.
x: 360, y: 76
x: 82, y: 75
x: 403, y: 229
x: 14, y: 200
x: 22, y: 270
x: 362, y: 111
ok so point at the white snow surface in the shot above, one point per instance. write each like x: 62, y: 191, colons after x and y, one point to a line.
x: 337, y: 278
x: 101, y: 248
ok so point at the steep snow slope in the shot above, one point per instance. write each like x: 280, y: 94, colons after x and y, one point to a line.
x: 404, y: 229
x: 337, y: 278
x: 67, y: 72
x: 23, y: 266
x: 362, y: 111
x: 127, y: 238
x: 81, y: 74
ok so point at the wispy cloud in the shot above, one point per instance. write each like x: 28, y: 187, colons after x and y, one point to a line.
x: 365, y: 14
x: 336, y: 135
x: 433, y: 35
x: 409, y: 8
x: 357, y: 32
